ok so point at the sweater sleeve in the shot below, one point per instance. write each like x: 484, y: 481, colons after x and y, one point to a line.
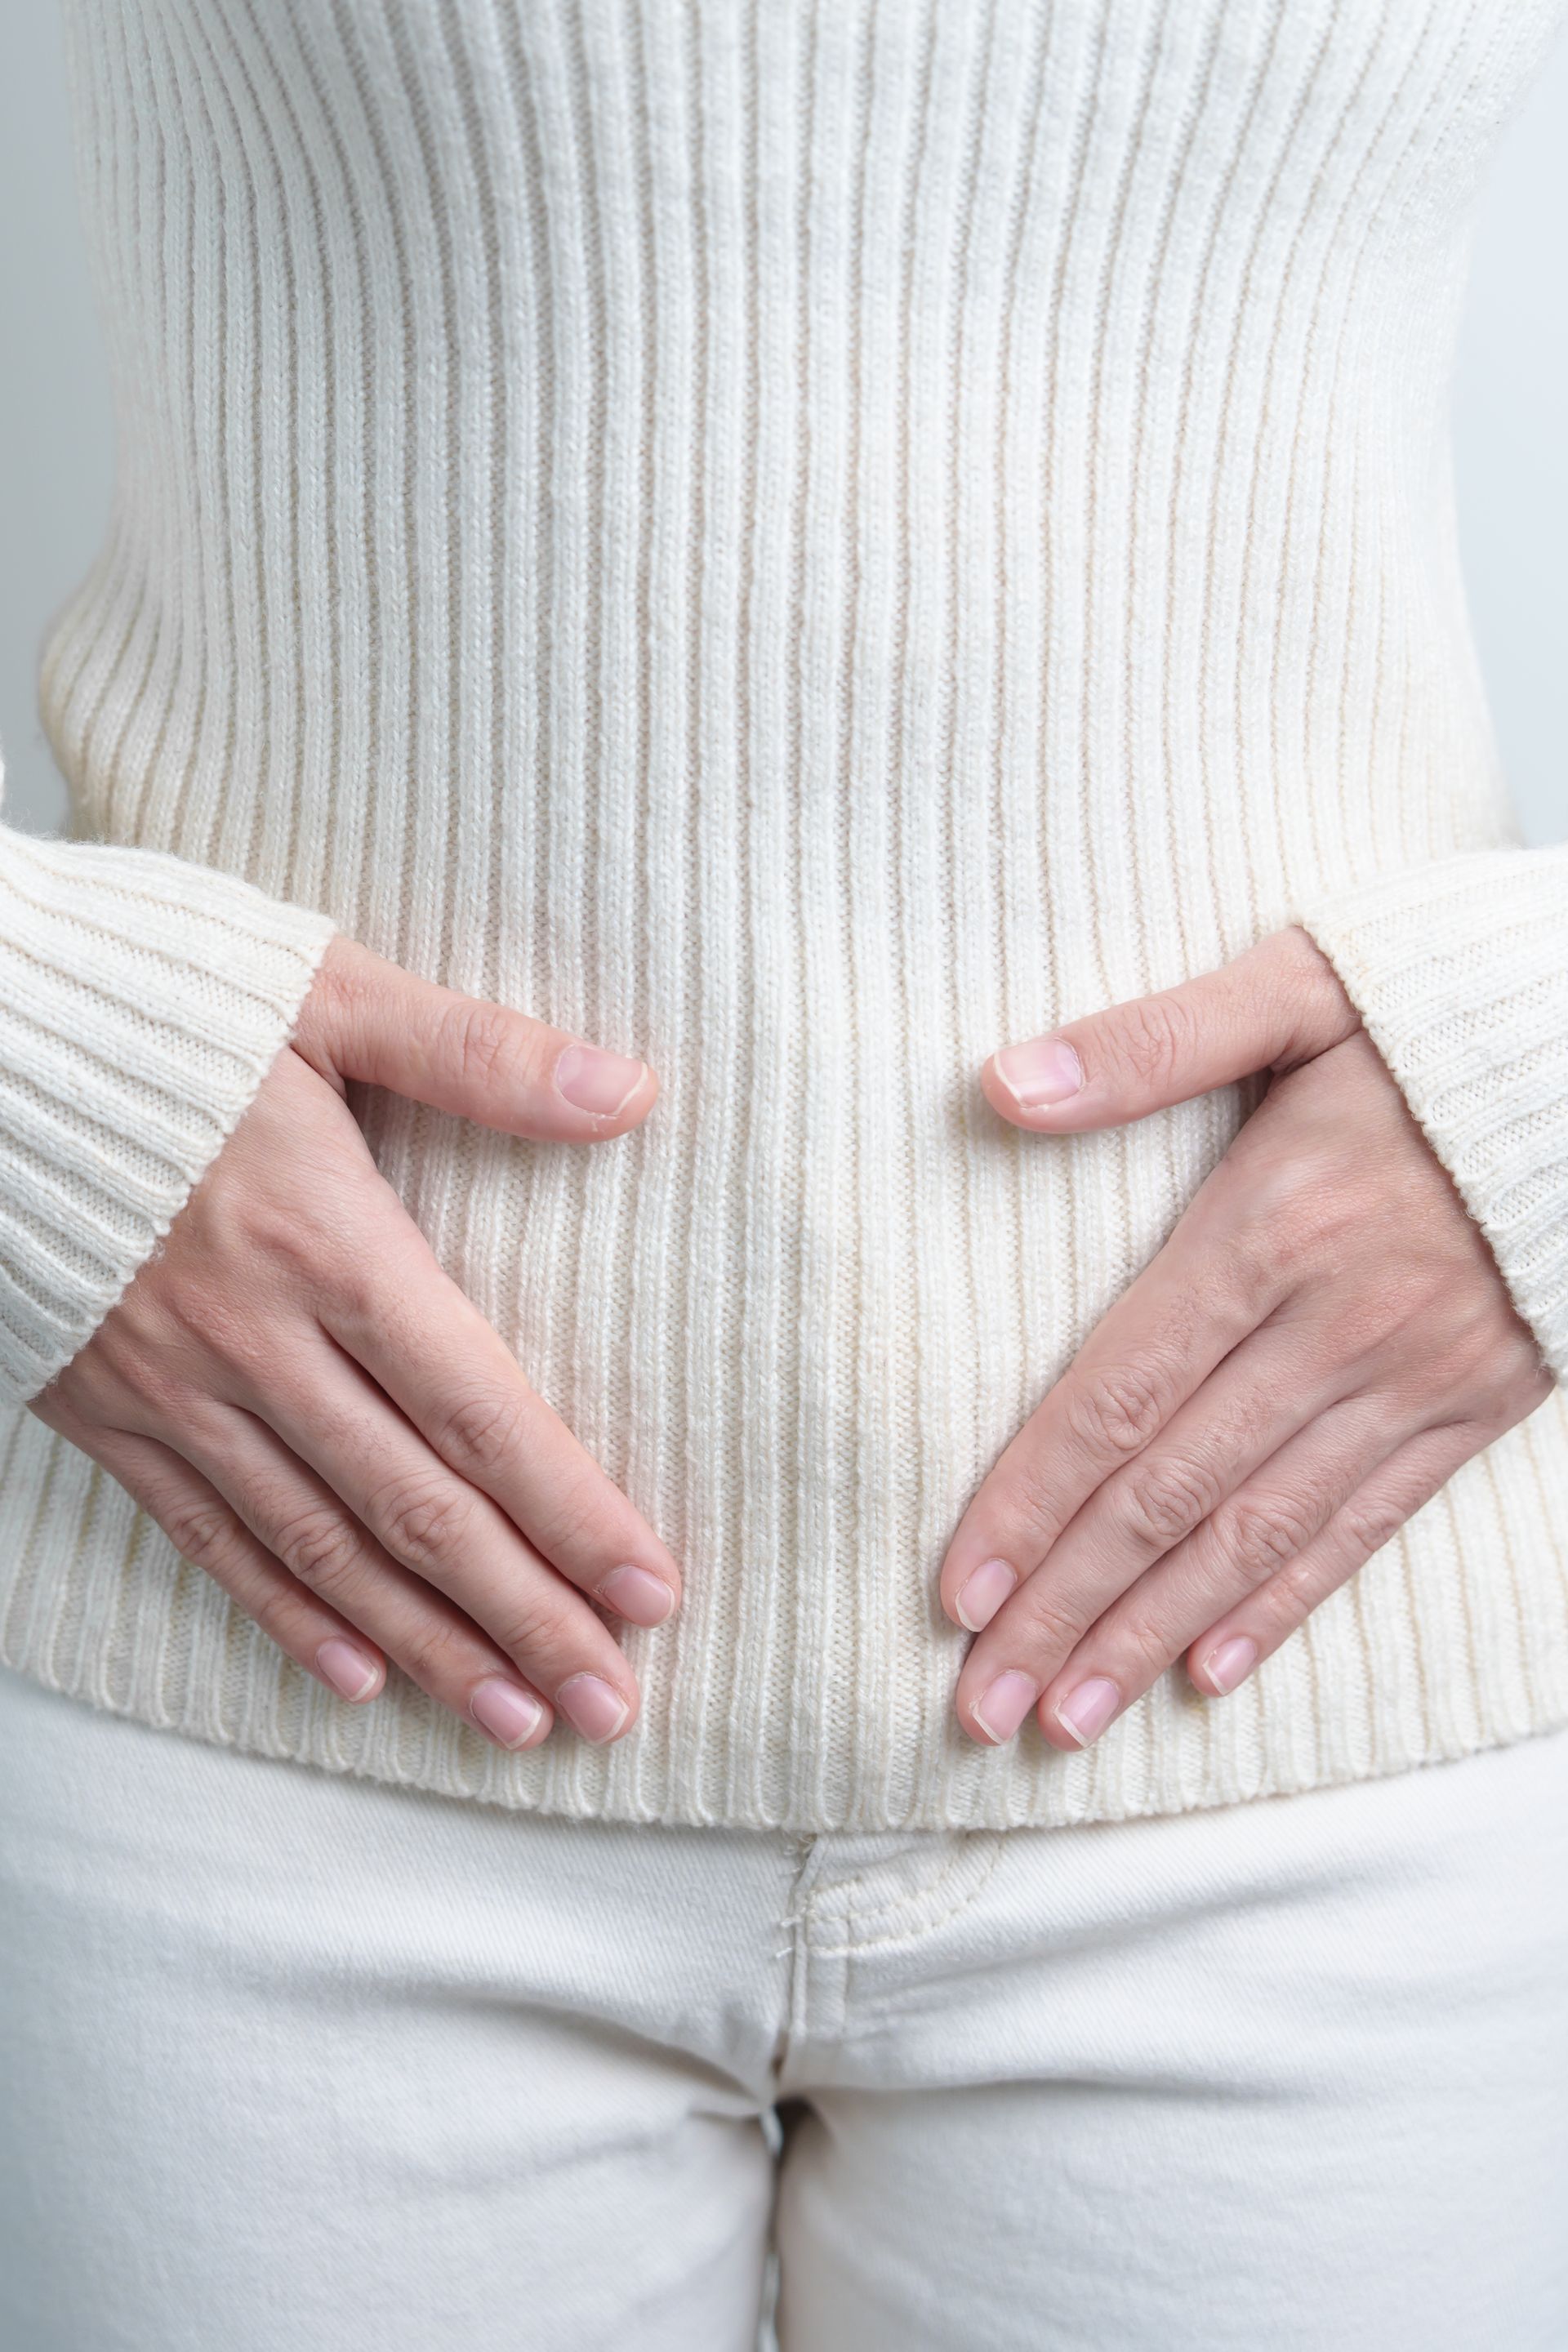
x: 142, y: 999
x: 1459, y: 970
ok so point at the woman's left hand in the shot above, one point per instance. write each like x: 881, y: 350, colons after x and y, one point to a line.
x: 1322, y: 1341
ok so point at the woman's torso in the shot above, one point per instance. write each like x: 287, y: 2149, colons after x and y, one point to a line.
x: 805, y: 543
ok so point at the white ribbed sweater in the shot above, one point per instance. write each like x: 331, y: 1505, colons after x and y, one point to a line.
x: 802, y: 539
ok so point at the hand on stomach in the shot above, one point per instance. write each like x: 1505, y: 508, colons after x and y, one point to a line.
x: 318, y: 1417
x: 1322, y: 1343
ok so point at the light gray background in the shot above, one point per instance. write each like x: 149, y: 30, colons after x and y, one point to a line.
x: 1511, y: 423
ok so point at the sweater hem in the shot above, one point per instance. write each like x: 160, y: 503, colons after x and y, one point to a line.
x: 1453, y: 1639
x: 809, y: 1824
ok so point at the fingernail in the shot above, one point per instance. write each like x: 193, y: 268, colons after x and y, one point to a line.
x: 980, y: 1594
x: 1044, y: 1070
x: 1231, y: 1662
x: 639, y: 1595
x: 510, y: 1716
x: 594, y: 1080
x: 596, y: 1710
x: 350, y: 1671
x: 1000, y: 1710
x: 1086, y: 1711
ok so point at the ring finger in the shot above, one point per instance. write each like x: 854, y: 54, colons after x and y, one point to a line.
x: 1271, y: 1516
x: 1273, y: 1386
x: 1226, y: 1652
x: 205, y: 1529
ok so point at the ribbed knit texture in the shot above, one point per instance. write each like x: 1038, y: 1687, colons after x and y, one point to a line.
x: 805, y: 541
x: 142, y: 1000
x: 1460, y: 972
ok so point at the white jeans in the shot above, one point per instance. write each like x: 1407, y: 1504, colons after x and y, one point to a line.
x: 292, y: 2060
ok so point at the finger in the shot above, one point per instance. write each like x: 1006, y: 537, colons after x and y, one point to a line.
x: 1273, y: 1386
x: 429, y: 1349
x: 204, y: 1530
x: 1268, y: 1518
x: 1280, y: 1004
x: 1225, y: 1651
x: 1266, y: 1524
x: 1206, y: 1291
x: 368, y: 1019
x: 453, y: 1538
x: 306, y: 1527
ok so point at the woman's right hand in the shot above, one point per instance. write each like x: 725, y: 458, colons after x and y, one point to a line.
x: 318, y: 1417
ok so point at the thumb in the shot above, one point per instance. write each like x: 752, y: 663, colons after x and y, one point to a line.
x: 367, y: 1018
x: 1279, y: 1005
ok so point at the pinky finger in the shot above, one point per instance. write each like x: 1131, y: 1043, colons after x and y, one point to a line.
x: 204, y: 1530
x: 1226, y: 1654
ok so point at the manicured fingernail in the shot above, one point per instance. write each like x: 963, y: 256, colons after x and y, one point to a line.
x: 638, y: 1594
x: 510, y: 1716
x: 1001, y: 1708
x: 594, y: 1080
x: 1086, y: 1711
x: 596, y: 1710
x: 1231, y: 1662
x: 352, y: 1671
x: 982, y: 1593
x: 1044, y: 1070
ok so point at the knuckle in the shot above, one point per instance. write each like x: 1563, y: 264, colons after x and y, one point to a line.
x: 422, y: 1520
x: 201, y: 1531
x: 482, y: 1431
x: 318, y: 1546
x: 1370, y: 1523
x: 1261, y: 1537
x: 487, y: 1045
x: 1164, y: 1504
x: 1117, y: 1409
x: 1155, y: 1038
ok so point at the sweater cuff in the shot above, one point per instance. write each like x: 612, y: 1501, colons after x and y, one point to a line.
x: 1459, y: 970
x: 142, y: 1000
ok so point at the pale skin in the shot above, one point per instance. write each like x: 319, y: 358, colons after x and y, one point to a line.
x: 1322, y: 1342
x: 320, y: 1419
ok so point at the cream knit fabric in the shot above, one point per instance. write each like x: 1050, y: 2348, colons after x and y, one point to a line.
x: 803, y: 539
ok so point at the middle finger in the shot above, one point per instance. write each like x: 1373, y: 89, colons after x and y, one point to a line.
x: 1267, y: 1517
x: 1259, y: 1397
